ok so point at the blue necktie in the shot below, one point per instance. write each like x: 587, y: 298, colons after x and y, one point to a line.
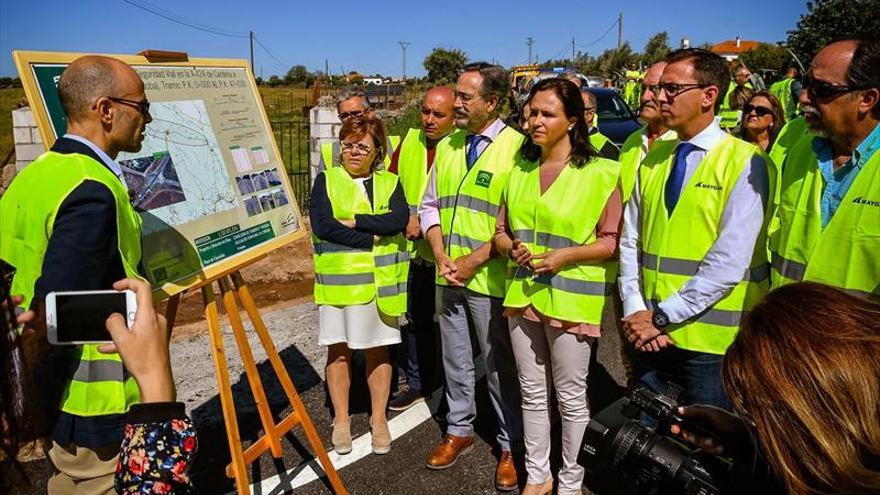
x: 675, y: 181
x: 473, y: 149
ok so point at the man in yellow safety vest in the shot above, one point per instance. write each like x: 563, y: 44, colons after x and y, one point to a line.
x: 67, y: 223
x: 458, y: 214
x: 828, y: 219
x: 692, y: 251
x: 412, y: 162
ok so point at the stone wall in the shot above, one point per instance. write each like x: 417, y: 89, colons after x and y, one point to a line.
x: 28, y: 145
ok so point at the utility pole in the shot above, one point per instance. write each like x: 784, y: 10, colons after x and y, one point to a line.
x: 327, y: 70
x: 252, y: 52
x: 572, y: 51
x: 403, y: 45
x: 619, y: 30
x: 530, y: 42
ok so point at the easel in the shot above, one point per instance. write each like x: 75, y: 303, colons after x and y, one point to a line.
x: 232, y: 289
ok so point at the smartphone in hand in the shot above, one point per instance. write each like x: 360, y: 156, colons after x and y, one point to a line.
x: 79, y: 317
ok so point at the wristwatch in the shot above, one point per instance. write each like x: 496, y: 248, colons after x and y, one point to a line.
x: 660, y: 318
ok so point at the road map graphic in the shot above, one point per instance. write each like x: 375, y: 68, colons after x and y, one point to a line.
x: 179, y: 174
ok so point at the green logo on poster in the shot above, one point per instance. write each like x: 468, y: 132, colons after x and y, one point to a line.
x: 484, y: 178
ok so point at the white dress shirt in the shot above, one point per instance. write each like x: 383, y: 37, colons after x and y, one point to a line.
x: 730, y: 255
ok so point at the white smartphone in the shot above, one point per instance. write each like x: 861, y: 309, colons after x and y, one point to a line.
x: 78, y: 317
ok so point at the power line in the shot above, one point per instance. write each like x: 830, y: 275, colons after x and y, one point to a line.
x: 271, y: 54
x: 182, y: 20
x: 600, y: 37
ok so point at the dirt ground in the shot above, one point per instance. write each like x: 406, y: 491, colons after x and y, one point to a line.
x: 282, y: 279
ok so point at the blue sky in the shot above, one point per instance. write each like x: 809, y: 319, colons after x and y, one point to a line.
x: 363, y: 36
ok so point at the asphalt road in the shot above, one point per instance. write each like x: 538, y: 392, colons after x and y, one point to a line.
x: 403, y: 471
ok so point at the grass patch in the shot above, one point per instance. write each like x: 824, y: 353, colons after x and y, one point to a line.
x: 9, y: 98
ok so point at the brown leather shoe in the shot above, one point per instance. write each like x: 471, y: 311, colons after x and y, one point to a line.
x: 447, y: 452
x: 505, y: 473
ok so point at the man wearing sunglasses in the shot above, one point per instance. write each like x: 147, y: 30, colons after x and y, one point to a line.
x: 829, y: 205
x: 692, y: 255
x: 67, y: 224
x: 351, y: 103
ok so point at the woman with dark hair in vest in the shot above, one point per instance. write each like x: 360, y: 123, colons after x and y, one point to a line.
x: 358, y: 214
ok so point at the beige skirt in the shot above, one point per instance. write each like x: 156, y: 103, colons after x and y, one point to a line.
x: 360, y: 326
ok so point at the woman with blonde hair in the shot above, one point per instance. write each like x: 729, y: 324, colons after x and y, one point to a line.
x: 804, y: 373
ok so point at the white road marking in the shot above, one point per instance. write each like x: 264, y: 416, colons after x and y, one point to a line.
x: 309, y: 471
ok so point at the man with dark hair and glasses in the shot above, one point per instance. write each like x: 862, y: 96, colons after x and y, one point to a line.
x: 829, y: 205
x: 67, y: 224
x: 350, y: 103
x: 693, y: 255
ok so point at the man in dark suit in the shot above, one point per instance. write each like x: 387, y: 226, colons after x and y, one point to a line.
x: 67, y: 224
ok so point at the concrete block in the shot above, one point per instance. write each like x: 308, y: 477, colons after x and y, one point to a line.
x: 29, y: 152
x: 323, y: 131
x: 22, y: 135
x: 20, y: 164
x: 23, y: 117
x: 35, y: 135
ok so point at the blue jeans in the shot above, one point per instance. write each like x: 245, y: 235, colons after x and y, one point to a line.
x: 698, y: 373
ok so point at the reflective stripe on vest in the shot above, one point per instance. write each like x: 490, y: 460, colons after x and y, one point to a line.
x: 345, y: 275
x: 673, y: 247
x: 98, y: 383
x: 331, y: 152
x: 846, y: 253
x: 469, y: 201
x: 564, y: 216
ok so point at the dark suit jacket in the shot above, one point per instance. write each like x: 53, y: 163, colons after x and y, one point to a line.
x: 82, y: 254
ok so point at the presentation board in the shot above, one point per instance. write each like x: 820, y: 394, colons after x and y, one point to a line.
x: 209, y: 182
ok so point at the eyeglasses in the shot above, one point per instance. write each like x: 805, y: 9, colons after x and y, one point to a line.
x: 824, y: 90
x: 673, y: 89
x: 142, y: 106
x: 362, y: 149
x: 349, y: 115
x: 760, y: 111
x: 589, y: 109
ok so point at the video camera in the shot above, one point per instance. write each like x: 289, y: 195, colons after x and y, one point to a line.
x: 624, y: 453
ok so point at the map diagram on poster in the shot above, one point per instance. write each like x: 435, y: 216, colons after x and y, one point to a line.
x: 179, y: 174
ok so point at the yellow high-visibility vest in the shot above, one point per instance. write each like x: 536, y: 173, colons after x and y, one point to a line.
x: 344, y: 275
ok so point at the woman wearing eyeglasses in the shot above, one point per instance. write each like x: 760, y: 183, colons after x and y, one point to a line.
x: 761, y: 120
x: 358, y: 215
x: 559, y: 224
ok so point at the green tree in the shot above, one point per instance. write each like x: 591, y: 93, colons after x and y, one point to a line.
x: 297, y: 73
x: 656, y: 48
x: 275, y: 81
x: 826, y: 20
x: 765, y: 57
x: 443, y: 65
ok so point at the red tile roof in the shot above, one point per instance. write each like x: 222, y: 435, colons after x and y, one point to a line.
x: 729, y: 46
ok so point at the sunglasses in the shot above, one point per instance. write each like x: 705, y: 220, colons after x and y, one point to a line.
x: 760, y: 111
x: 824, y: 90
x: 349, y: 115
x: 142, y: 106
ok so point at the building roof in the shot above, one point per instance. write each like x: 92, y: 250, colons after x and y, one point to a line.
x: 729, y: 46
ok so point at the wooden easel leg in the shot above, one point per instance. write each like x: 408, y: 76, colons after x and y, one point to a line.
x: 250, y: 368
x: 239, y: 468
x: 171, y: 310
x: 244, y: 294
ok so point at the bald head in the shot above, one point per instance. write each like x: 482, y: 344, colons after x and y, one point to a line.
x: 438, y: 112
x: 91, y: 77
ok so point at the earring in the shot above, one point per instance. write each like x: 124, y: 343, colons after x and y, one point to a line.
x: 571, y: 127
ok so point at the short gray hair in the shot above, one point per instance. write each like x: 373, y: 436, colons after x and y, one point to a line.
x: 82, y: 83
x: 349, y: 93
